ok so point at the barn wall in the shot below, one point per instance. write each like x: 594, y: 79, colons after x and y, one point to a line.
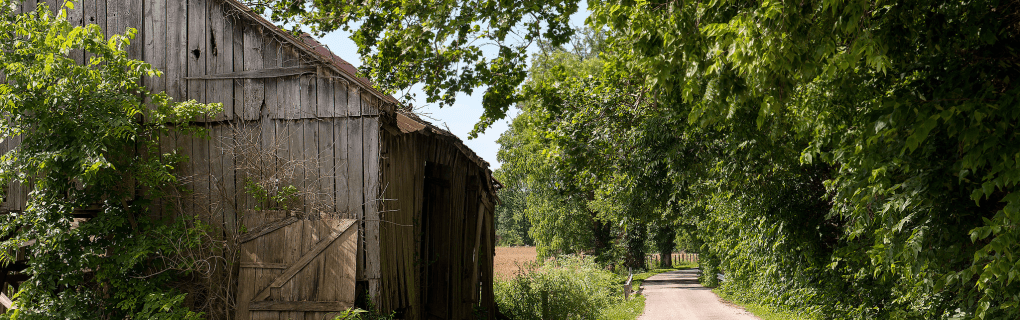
x: 403, y: 178
x: 434, y: 247
x: 202, y: 46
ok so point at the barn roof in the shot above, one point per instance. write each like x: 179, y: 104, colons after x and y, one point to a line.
x: 407, y: 122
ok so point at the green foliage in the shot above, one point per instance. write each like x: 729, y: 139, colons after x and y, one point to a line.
x: 360, y: 314
x: 512, y: 224
x: 577, y: 289
x: 274, y: 200
x: 89, y: 137
x: 449, y: 46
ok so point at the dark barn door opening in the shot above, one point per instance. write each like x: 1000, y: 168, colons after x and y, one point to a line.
x: 436, y: 238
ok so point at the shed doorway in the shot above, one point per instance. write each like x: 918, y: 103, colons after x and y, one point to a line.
x: 435, y: 242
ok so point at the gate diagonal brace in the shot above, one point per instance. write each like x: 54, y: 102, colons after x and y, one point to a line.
x: 303, y: 261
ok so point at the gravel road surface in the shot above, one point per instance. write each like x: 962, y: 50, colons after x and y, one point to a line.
x: 677, y: 295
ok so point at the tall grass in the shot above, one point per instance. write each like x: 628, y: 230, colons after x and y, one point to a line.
x: 577, y: 288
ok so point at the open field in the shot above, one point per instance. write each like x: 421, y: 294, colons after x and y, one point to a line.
x: 508, y: 258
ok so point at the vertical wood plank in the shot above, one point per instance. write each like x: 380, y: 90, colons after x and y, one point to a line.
x: 371, y: 200
x: 355, y: 171
x: 325, y: 104
x: 254, y: 59
x: 154, y: 36
x: 339, y: 98
x: 228, y: 183
x: 296, y: 163
x: 197, y: 51
x: 77, y: 18
x: 309, y: 148
x: 196, y: 89
x: 176, y: 49
x: 220, y: 47
x: 355, y: 182
x: 201, y: 163
x: 325, y: 107
x: 327, y: 165
x: 353, y: 100
x: 155, y: 32
x: 166, y: 203
x: 52, y: 5
x: 224, y: 184
x: 340, y: 158
x: 185, y: 201
x: 29, y: 6
x: 369, y: 105
x: 272, y: 60
x: 294, y: 248
x: 95, y: 14
x: 122, y: 15
x: 289, y: 87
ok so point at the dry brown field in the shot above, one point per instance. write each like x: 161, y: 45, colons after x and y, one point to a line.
x: 509, y: 258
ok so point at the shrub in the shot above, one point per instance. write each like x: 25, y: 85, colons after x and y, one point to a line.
x: 577, y: 287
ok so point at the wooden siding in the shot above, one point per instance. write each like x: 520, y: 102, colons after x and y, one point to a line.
x: 437, y: 216
x: 304, y: 114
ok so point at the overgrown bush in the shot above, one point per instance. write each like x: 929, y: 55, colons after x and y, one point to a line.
x: 577, y: 287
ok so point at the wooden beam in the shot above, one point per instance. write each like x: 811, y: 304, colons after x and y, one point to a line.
x: 258, y: 74
x: 307, y: 306
x: 264, y: 265
x: 266, y: 228
x: 302, y: 262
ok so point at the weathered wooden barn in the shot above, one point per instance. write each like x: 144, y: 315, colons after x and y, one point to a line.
x: 380, y: 204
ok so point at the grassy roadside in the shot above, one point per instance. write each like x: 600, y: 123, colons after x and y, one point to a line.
x: 767, y: 312
x: 633, y: 308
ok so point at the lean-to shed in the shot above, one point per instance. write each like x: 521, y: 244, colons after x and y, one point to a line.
x: 386, y: 206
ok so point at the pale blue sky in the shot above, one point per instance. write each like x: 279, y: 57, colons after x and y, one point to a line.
x: 462, y: 116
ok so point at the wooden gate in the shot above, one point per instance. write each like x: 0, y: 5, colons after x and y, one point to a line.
x: 295, y: 267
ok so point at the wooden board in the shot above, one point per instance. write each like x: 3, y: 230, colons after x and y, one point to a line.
x: 324, y: 139
x: 371, y: 200
x: 176, y: 49
x: 353, y: 101
x: 122, y: 15
x: 309, y: 150
x: 341, y: 162
x: 220, y: 48
x: 255, y: 58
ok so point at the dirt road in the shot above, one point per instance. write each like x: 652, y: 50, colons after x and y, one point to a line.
x: 678, y: 296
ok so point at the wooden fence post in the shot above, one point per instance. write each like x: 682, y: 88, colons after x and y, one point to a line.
x: 627, y: 287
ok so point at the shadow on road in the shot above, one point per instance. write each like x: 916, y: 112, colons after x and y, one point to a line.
x: 683, y: 279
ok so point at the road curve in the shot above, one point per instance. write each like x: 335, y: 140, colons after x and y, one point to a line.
x: 677, y: 295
